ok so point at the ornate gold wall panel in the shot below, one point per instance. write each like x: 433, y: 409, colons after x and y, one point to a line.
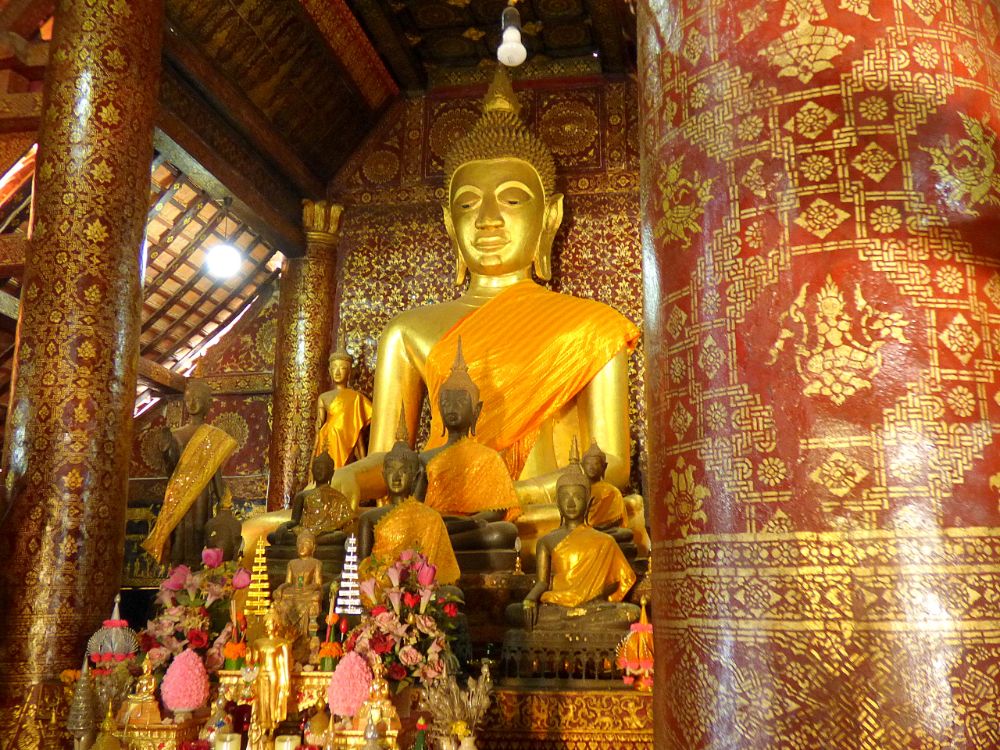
x: 68, y: 440
x: 393, y: 250
x: 822, y: 298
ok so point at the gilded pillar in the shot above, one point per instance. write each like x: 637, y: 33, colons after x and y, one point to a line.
x: 68, y: 437
x: 821, y: 196
x: 305, y: 324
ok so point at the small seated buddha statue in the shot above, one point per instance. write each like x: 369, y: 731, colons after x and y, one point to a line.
x: 582, y: 574
x: 224, y: 531
x: 607, y: 506
x: 405, y: 522
x: 319, y: 509
x: 141, y: 707
x: 465, y: 481
x: 302, y: 592
x: 342, y: 414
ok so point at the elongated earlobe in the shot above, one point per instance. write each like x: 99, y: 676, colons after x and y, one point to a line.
x: 460, y: 267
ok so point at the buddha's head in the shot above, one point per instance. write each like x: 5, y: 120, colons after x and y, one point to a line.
x: 341, y: 363
x: 197, y: 397
x: 502, y: 212
x: 305, y: 544
x: 594, y: 463
x: 323, y: 468
x: 401, y: 465
x: 573, y: 494
x: 458, y: 399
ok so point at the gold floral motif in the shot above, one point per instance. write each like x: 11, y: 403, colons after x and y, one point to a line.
x: 926, y: 54
x: 811, y: 120
x: 816, y: 167
x: 961, y: 401
x: 803, y: 10
x: 874, y: 161
x: 821, y: 217
x: 837, y: 353
x: 886, y: 219
x: 677, y: 369
x: 926, y: 9
x: 967, y: 170
x: 750, y: 18
x: 675, y: 321
x: 683, y: 201
x: 711, y: 357
x: 749, y: 128
x: 839, y: 474
x: 717, y: 416
x: 753, y: 179
x: 806, y: 50
x: 992, y: 289
x: 961, y: 338
x: 694, y: 46
x: 685, y: 500
x: 861, y: 7
x: 772, y: 471
x: 680, y: 420
x: 949, y: 280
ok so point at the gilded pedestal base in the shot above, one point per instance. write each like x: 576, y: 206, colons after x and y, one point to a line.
x: 568, y: 720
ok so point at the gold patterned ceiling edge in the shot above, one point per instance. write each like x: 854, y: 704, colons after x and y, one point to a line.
x: 353, y: 49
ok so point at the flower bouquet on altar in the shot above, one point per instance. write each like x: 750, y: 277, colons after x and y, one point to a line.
x: 194, y: 613
x: 408, y: 624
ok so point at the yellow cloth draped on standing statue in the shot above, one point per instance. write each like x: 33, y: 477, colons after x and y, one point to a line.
x: 413, y: 525
x: 347, y: 414
x: 607, y: 508
x: 585, y: 564
x: 205, y: 452
x: 530, y: 351
x: 467, y: 478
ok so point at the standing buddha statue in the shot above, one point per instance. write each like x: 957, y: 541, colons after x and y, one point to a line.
x: 194, y: 454
x: 548, y: 365
x: 272, y: 657
x: 342, y: 413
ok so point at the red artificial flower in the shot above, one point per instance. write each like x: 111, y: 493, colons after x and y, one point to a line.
x: 382, y: 643
x: 351, y: 642
x: 147, y: 642
x: 396, y: 671
x: 451, y: 609
x: 411, y: 600
x: 197, y: 638
x: 379, y: 610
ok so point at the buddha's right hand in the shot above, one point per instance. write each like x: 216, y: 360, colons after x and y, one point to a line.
x: 530, y: 613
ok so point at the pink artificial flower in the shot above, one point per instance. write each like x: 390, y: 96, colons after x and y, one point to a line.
x: 407, y: 554
x: 393, y: 575
x: 394, y: 597
x: 426, y: 573
x: 158, y: 656
x: 432, y: 670
x: 410, y: 656
x: 241, y: 579
x: 367, y: 588
x: 214, y: 659
x: 349, y: 685
x: 178, y: 576
x: 213, y: 592
x: 211, y: 557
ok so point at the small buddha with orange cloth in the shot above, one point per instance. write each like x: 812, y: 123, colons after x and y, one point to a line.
x: 465, y: 481
x: 607, y: 506
x: 582, y: 574
x: 405, y: 523
x: 342, y: 414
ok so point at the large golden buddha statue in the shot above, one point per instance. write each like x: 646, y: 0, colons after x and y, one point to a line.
x: 548, y: 365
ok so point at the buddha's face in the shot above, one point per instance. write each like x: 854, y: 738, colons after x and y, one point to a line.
x: 457, y: 410
x: 593, y: 467
x: 323, y: 468
x: 340, y: 371
x: 306, y: 545
x: 398, y: 475
x: 497, y: 214
x: 572, y: 501
x: 196, y: 400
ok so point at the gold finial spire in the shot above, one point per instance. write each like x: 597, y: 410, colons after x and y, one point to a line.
x: 341, y: 351
x: 595, y: 451
x: 574, y: 451
x: 402, y: 431
x: 573, y: 474
x: 500, y: 96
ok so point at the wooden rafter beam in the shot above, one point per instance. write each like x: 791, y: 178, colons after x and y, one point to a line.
x: 214, y: 156
x: 238, y: 108
x: 387, y: 35
x: 163, y: 197
x: 183, y: 219
x: 203, y: 234
x: 157, y: 376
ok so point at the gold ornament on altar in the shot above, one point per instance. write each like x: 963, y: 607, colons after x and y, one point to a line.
x: 271, y: 656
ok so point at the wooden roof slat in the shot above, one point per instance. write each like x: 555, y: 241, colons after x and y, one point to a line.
x: 175, y: 265
x: 163, y: 197
x: 182, y: 220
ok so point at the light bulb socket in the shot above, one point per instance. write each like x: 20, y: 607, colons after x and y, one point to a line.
x: 510, y: 19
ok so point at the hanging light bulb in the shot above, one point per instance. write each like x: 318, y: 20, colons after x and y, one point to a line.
x: 223, y: 259
x: 511, y: 51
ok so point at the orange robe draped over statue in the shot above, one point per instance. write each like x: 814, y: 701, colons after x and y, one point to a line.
x: 205, y: 452
x: 584, y: 565
x: 530, y: 351
x: 347, y: 414
x: 412, y: 525
x: 607, y: 508
x: 467, y: 478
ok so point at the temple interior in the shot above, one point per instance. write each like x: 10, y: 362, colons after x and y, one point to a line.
x: 511, y: 374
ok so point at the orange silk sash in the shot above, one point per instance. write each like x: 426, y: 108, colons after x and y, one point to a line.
x: 607, y: 506
x: 585, y: 564
x: 530, y: 351
x: 413, y: 525
x: 466, y: 478
x: 205, y: 452
x: 346, y: 415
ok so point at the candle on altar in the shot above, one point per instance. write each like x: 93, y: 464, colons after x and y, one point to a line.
x: 287, y: 742
x: 227, y: 742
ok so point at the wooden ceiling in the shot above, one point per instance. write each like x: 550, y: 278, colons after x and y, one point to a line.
x: 261, y: 102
